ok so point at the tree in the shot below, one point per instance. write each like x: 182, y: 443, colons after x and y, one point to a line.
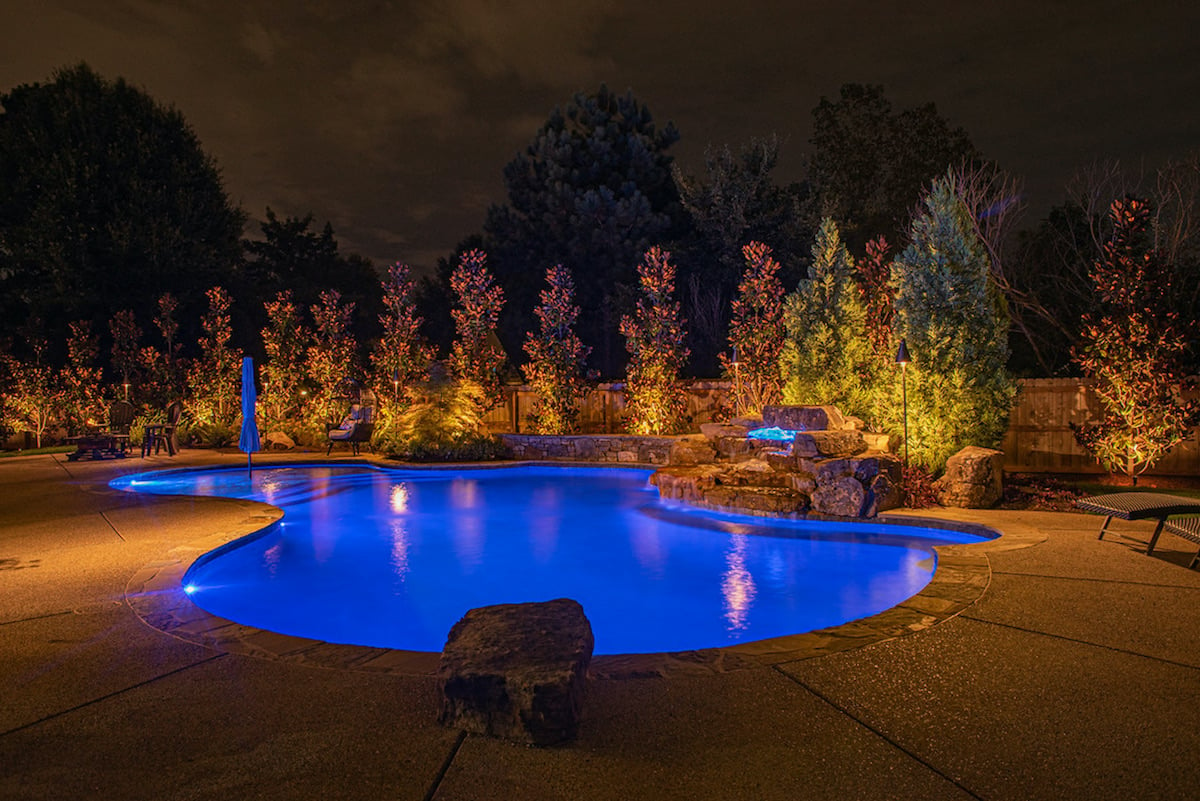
x: 556, y: 357
x: 870, y: 165
x: 736, y: 202
x: 1134, y: 348
x: 30, y: 402
x: 286, y: 339
x: 109, y: 201
x: 80, y: 399
x: 214, y: 377
x: 654, y: 338
x: 331, y: 360
x: 955, y: 321
x: 400, y: 358
x: 292, y: 256
x: 827, y: 357
x: 125, y: 334
x: 477, y: 355
x: 756, y: 333
x: 591, y: 192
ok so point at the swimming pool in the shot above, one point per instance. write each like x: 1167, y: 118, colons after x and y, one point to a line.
x: 392, y: 558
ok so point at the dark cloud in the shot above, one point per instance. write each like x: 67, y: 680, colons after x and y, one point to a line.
x: 393, y: 120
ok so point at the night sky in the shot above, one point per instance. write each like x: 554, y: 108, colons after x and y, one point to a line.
x: 394, y: 120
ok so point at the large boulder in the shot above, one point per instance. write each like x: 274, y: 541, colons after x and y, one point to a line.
x: 974, y: 479
x: 828, y: 443
x: 842, y: 497
x: 691, y: 450
x: 804, y: 418
x: 517, y: 671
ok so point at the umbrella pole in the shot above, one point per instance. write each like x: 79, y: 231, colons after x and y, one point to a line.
x: 249, y: 468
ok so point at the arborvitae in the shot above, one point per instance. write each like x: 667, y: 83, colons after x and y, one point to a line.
x: 827, y: 357
x: 956, y: 323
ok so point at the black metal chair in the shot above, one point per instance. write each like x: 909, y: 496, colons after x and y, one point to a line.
x: 356, y: 428
x: 162, y: 435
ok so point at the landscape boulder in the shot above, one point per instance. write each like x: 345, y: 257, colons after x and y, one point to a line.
x: 843, y: 497
x: 279, y: 441
x: 974, y: 479
x: 828, y: 443
x: 517, y: 671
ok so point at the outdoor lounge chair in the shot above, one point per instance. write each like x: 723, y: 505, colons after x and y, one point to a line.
x: 1139, y: 506
x: 111, y: 439
x: 1189, y: 529
x: 356, y: 428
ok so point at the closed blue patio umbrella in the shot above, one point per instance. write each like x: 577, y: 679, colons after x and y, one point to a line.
x: 248, y: 441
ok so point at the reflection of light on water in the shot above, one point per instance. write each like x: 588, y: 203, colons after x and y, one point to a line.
x: 399, y: 549
x: 464, y: 493
x: 398, y: 498
x: 647, y: 548
x: 545, y: 522
x: 274, y: 555
x: 269, y: 487
x: 737, y: 585
x: 324, y: 523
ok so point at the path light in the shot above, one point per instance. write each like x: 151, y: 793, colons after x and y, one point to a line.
x: 737, y: 384
x: 902, y: 359
x: 396, y: 382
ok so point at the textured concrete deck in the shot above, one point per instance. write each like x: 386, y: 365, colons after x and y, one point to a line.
x: 1071, y: 671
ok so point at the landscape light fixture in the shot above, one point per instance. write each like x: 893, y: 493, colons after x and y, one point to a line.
x: 902, y: 359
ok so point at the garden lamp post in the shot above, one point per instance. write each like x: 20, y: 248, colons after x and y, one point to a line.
x: 902, y: 359
x: 737, y: 383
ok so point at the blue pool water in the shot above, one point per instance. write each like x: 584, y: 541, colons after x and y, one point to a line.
x: 392, y: 558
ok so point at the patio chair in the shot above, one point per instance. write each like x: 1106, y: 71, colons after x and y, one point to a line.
x: 111, y: 439
x: 1139, y: 506
x: 162, y: 435
x: 356, y: 427
x: 1189, y: 529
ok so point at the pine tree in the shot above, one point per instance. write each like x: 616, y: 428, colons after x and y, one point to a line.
x: 956, y: 323
x: 476, y: 355
x: 654, y: 338
x: 556, y: 357
x: 1135, y: 349
x: 756, y: 333
x: 827, y: 357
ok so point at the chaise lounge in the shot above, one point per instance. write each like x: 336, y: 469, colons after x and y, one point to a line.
x: 1147, y: 506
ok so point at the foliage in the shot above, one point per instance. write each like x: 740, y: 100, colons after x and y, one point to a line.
x: 874, y: 277
x: 286, y: 340
x: 126, y: 334
x: 916, y: 484
x: 556, y: 357
x: 827, y: 357
x: 163, y: 369
x: 214, y: 378
x: 756, y: 333
x: 955, y: 320
x: 108, y: 202
x: 401, y: 357
x: 330, y: 361
x: 592, y: 192
x: 1134, y: 348
x: 30, y: 400
x: 291, y: 255
x: 654, y: 338
x: 442, y: 422
x: 80, y: 385
x: 476, y: 355
x: 870, y: 165
x: 734, y: 203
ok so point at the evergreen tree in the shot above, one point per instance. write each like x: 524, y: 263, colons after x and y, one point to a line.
x: 476, y: 355
x: 654, y: 338
x: 556, y: 357
x: 109, y: 201
x: 955, y: 320
x: 80, y: 395
x: 331, y: 362
x: 827, y: 357
x: 592, y: 192
x: 756, y: 333
x: 1135, y: 349
x: 126, y: 334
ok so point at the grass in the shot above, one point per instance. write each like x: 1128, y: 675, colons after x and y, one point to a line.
x: 38, y: 451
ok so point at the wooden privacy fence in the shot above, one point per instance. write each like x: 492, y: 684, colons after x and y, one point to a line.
x: 1039, y: 437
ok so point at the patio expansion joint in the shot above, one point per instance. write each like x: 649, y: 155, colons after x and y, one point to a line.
x: 1064, y: 638
x: 441, y: 774
x: 879, y: 733
x: 108, y: 696
x: 32, y: 618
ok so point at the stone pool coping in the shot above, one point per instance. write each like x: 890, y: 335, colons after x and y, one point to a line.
x: 155, y: 593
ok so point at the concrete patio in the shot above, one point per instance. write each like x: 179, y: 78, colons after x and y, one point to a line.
x: 1075, y: 675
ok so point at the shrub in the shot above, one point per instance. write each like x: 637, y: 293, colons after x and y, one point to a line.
x: 556, y: 357
x: 756, y: 333
x: 654, y: 338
